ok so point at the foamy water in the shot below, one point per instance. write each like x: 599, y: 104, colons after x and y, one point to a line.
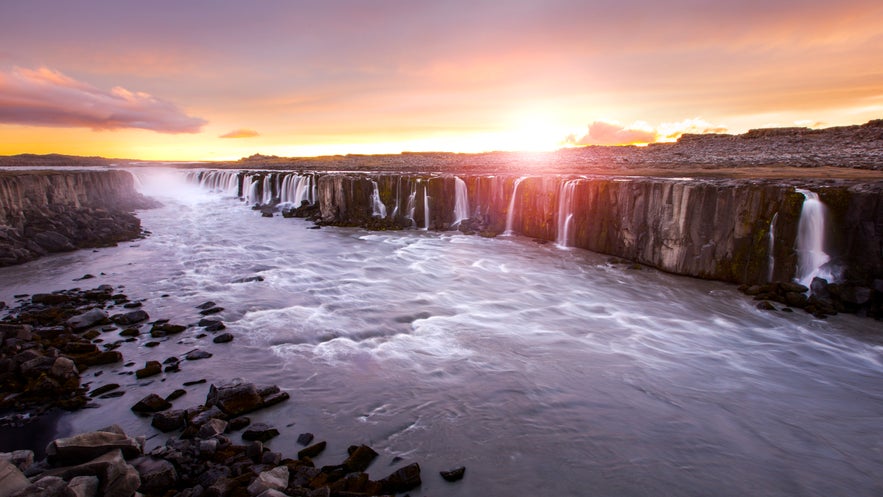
x: 543, y: 371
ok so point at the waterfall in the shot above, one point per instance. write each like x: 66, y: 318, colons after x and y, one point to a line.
x: 771, y: 260
x: 267, y: 189
x: 565, y: 212
x: 377, y: 207
x: 510, y: 213
x: 395, y: 210
x: 250, y: 189
x: 412, y: 202
x: 810, y: 243
x: 426, y: 206
x: 461, y: 201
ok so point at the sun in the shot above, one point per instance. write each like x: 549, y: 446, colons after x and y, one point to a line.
x: 532, y: 132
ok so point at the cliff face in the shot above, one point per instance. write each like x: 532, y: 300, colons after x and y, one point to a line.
x: 715, y: 229
x: 50, y: 211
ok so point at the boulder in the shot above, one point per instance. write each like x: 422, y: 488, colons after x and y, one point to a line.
x: 157, y: 475
x: 275, y: 479
x: 87, y: 446
x: 129, y: 318
x: 211, y: 428
x: 235, y: 399
x: 311, y: 451
x: 11, y: 479
x: 48, y: 486
x: 150, y: 404
x: 223, y: 338
x: 195, y: 355
x: 168, y: 420
x: 151, y: 368
x: 453, y: 474
x: 84, y: 486
x: 260, y: 432
x: 117, y: 478
x: 402, y: 480
x: 359, y: 459
x: 87, y: 319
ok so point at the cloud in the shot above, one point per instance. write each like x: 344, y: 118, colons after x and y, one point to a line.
x: 605, y: 133
x: 44, y: 97
x: 609, y: 133
x: 241, y: 133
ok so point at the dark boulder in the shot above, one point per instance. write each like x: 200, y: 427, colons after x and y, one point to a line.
x: 151, y: 404
x: 454, y: 474
x: 260, y: 432
x: 151, y: 368
x: 129, y: 318
x: 87, y: 319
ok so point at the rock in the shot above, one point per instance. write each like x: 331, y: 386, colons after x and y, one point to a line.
x: 64, y: 369
x: 49, y: 486
x: 11, y: 479
x: 168, y: 420
x: 359, y: 459
x: 130, y: 317
x: 176, y: 394
x: 855, y: 295
x: 157, y: 475
x: 195, y: 355
x: 161, y: 330
x: 255, y: 451
x: 99, y: 358
x: 132, y: 305
x: 312, y: 451
x: 215, y: 326
x: 235, y: 399
x: 790, y: 286
x: 103, y: 389
x: 223, y: 338
x: 403, y: 479
x: 209, y: 447
x: 117, y: 478
x: 151, y: 368
x: 305, y: 438
x: 211, y: 428
x: 765, y: 305
x: 21, y: 459
x: 206, y: 305
x: 150, y: 404
x: 271, y: 492
x: 84, y: 486
x: 195, y: 382
x: 49, y: 298
x: 260, y: 432
x: 275, y: 479
x: 210, y: 311
x: 795, y: 299
x: 249, y: 279
x: 239, y: 423
x: 90, y: 445
x: 453, y: 474
x: 87, y: 319
x: 207, y: 414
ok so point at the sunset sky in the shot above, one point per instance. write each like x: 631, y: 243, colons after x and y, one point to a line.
x: 195, y: 80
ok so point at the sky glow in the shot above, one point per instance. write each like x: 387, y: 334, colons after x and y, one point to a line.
x: 202, y: 80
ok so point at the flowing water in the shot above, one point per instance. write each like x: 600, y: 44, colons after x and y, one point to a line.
x: 811, y: 255
x: 544, y: 372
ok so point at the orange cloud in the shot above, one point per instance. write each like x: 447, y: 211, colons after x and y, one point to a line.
x: 44, y: 97
x: 604, y: 133
x: 241, y: 133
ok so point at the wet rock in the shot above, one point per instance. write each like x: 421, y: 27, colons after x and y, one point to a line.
x: 151, y: 404
x: 132, y: 305
x: 206, y: 305
x: 176, y: 394
x: 235, y: 399
x: 87, y: 319
x: 795, y: 299
x: 275, y: 479
x: 164, y: 329
x: 168, y: 420
x: 195, y: 382
x: 403, y: 479
x: 117, y: 478
x: 151, y: 368
x: 855, y: 295
x: 223, y: 338
x: 50, y: 298
x: 103, y: 389
x: 130, y: 332
x: 237, y: 424
x: 21, y: 459
x: 86, y: 446
x: 197, y: 354
x: 210, y: 311
x: 157, y: 475
x: 259, y: 431
x: 453, y: 474
x: 203, y: 416
x: 359, y: 459
x: 312, y: 451
x: 211, y: 428
x: 249, y: 279
x: 130, y: 317
x: 49, y: 486
x: 305, y: 438
x: 215, y: 326
x: 765, y: 305
x: 98, y: 358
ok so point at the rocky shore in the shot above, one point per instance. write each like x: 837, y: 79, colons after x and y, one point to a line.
x: 48, y: 342
x: 43, y: 212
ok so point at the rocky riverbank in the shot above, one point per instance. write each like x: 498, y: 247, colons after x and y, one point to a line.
x: 43, y: 212
x: 48, y: 342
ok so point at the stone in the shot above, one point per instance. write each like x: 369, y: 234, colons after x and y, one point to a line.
x: 21, y: 459
x: 795, y: 299
x: 117, y: 478
x: 206, y: 305
x: 84, y: 486
x: 49, y: 298
x: 11, y: 479
x: 167, y: 421
x: 151, y: 368
x: 765, y: 305
x: 99, y: 358
x: 276, y: 479
x: 207, y: 414
x: 453, y: 474
x: 255, y: 451
x: 157, y: 475
x: 223, y: 338
x: 403, y: 479
x: 312, y: 451
x: 235, y: 399
x: 305, y: 438
x: 855, y: 295
x: 272, y: 492
x: 210, y: 311
x: 87, y: 319
x: 195, y: 355
x: 151, y: 404
x: 48, y: 486
x: 359, y: 459
x: 87, y: 446
x: 176, y: 394
x: 790, y: 286
x: 208, y: 447
x: 239, y: 423
x: 129, y: 318
x: 215, y: 326
x: 161, y: 330
x: 259, y: 431
x: 64, y: 369
x: 212, y: 428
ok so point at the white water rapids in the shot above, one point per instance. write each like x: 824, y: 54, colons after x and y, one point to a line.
x: 544, y: 372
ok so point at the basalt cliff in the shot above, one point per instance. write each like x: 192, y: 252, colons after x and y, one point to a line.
x: 42, y: 212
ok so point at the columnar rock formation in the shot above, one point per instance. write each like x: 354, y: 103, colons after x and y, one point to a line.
x: 50, y: 211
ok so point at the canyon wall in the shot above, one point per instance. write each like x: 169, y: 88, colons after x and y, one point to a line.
x: 50, y: 211
x: 712, y: 228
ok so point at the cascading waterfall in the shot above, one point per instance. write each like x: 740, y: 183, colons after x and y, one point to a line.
x: 810, y: 244
x: 412, y: 202
x: 395, y: 209
x: 378, y: 209
x: 250, y: 189
x: 267, y: 189
x: 771, y: 260
x: 565, y: 212
x: 426, y: 206
x: 461, y: 201
x: 510, y: 212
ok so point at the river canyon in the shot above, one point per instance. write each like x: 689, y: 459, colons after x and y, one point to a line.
x: 460, y: 320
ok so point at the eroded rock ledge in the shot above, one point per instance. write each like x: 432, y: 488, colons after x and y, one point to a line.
x: 43, y: 212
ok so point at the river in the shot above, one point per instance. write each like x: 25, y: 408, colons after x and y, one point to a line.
x: 545, y: 371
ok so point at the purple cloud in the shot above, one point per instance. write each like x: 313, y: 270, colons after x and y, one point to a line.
x: 44, y: 97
